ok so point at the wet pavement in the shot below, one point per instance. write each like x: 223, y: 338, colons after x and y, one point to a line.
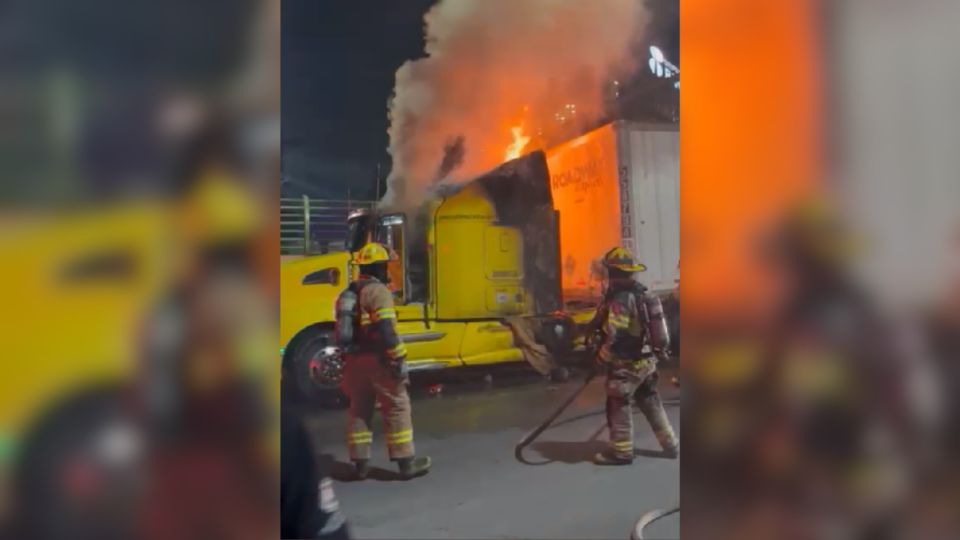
x: 477, y: 489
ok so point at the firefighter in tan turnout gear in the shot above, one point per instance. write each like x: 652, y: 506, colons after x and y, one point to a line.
x: 624, y: 320
x: 375, y: 366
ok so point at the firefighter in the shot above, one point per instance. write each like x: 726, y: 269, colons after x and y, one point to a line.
x: 629, y: 371
x: 375, y: 368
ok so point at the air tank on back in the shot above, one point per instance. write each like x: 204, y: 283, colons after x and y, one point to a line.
x: 656, y: 323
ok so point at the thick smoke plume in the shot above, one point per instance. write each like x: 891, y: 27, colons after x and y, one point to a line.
x: 493, y: 65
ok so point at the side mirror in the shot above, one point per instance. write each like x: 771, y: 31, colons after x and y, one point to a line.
x: 327, y: 276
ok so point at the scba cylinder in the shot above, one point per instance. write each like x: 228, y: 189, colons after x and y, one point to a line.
x: 657, y: 323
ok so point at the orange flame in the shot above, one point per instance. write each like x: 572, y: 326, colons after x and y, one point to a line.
x: 520, y: 141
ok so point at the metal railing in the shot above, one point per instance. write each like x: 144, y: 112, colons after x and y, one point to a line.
x: 312, y: 226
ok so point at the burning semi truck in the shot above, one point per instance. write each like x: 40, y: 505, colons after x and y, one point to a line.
x: 500, y: 269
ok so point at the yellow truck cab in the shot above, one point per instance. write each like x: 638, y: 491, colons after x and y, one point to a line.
x: 469, y: 259
x: 87, y: 328
x: 77, y: 286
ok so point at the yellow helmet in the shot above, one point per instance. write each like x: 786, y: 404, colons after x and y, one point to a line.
x: 621, y: 259
x: 815, y: 227
x: 219, y: 209
x: 372, y: 253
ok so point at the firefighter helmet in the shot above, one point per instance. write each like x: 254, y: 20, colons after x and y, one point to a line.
x: 219, y: 209
x: 372, y: 253
x: 621, y: 259
x: 814, y: 229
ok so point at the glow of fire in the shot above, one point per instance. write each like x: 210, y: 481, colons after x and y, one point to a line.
x: 520, y: 141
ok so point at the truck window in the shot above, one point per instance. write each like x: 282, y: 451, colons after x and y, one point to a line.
x: 418, y: 275
x: 395, y: 268
x: 391, y: 234
x: 409, y: 274
x: 357, y: 232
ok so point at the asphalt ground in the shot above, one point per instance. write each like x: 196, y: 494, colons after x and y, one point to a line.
x: 477, y: 489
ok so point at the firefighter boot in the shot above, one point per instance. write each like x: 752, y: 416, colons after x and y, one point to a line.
x: 672, y: 451
x: 652, y: 409
x: 619, y: 424
x: 361, y: 468
x: 413, y: 467
x: 609, y: 458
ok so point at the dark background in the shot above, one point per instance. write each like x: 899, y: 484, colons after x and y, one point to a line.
x: 338, y: 62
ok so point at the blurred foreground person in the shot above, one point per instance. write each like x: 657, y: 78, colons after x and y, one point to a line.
x: 629, y: 371
x: 308, y: 505
x: 152, y: 405
x: 202, y: 395
x: 376, y: 368
x: 137, y: 351
x: 837, y: 426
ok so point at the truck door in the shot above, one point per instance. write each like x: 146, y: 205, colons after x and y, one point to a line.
x: 392, y: 234
x: 427, y: 343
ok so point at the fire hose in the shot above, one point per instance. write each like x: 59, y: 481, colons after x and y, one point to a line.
x: 591, y: 342
x: 525, y: 441
x: 530, y: 437
x: 648, y: 518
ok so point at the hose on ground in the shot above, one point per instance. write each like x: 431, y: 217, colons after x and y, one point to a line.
x: 529, y: 437
x: 648, y: 518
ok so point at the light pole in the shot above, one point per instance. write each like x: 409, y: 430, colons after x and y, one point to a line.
x: 661, y: 67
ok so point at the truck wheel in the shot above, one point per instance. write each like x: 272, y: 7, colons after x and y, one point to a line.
x: 316, y: 370
x: 81, y: 471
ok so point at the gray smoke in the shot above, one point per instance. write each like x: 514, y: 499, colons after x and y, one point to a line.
x: 492, y: 65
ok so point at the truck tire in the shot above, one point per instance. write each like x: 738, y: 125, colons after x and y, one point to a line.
x: 80, y: 475
x: 314, y: 371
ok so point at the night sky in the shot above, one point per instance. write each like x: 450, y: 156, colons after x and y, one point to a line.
x: 338, y: 64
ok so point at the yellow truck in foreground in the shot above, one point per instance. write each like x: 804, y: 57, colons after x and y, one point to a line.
x: 93, y: 327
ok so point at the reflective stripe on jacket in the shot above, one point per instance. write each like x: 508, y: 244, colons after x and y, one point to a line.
x: 623, y: 331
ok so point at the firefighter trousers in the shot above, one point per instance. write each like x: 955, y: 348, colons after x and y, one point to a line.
x: 623, y: 381
x: 367, y: 380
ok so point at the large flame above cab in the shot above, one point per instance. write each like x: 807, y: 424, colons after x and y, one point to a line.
x: 520, y: 141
